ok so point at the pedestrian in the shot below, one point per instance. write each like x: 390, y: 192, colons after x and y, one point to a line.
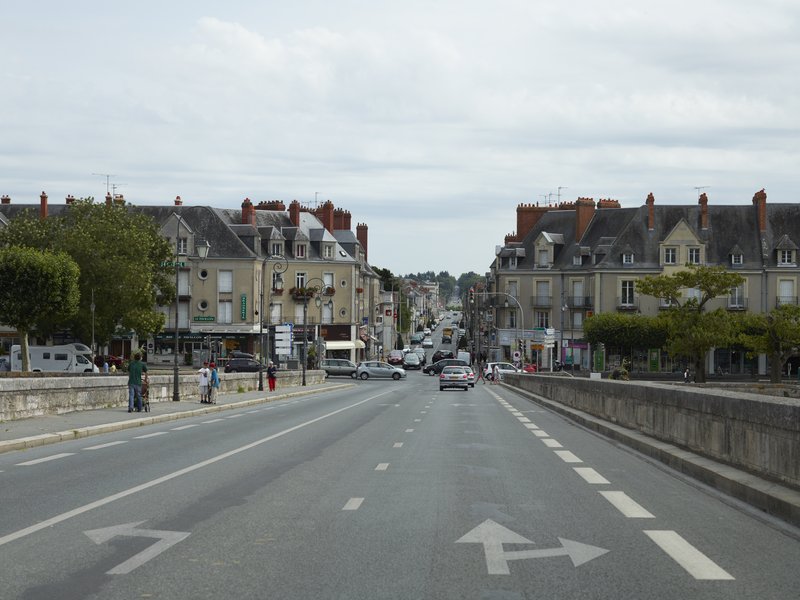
x: 202, y: 380
x: 272, y: 375
x: 495, y: 373
x: 686, y: 375
x: 480, y: 373
x: 213, y: 383
x: 135, y: 370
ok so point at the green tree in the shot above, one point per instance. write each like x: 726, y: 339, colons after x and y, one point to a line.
x: 626, y: 332
x: 692, y: 330
x: 776, y: 334
x: 36, y: 285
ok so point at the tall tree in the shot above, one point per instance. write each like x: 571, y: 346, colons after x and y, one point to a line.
x: 692, y: 330
x: 776, y: 334
x: 35, y: 286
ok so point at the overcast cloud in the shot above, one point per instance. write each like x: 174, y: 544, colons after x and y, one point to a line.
x: 428, y: 120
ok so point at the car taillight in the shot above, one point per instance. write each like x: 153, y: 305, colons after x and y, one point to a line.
x: 441, y: 376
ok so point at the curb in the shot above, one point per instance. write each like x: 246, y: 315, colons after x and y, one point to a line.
x: 772, y: 498
x: 82, y: 432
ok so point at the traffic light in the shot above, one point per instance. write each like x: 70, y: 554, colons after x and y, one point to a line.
x: 471, y: 296
x: 520, y: 344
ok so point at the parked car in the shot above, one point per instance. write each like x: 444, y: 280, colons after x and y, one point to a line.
x: 529, y: 368
x: 503, y: 368
x: 244, y: 365
x: 376, y: 368
x: 427, y: 331
x: 5, y: 364
x: 411, y: 361
x: 395, y: 357
x: 427, y: 342
x: 113, y: 361
x: 436, y: 368
x: 239, y: 354
x: 423, y: 358
x: 454, y: 377
x: 440, y: 354
x: 446, y: 339
x: 471, y: 376
x: 338, y: 366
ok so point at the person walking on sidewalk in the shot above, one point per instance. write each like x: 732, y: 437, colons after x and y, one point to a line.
x: 272, y: 375
x: 202, y: 380
x: 213, y: 383
x: 135, y: 370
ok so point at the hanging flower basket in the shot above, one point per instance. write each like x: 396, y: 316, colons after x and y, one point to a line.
x: 277, y: 292
x: 301, y: 293
x: 328, y: 291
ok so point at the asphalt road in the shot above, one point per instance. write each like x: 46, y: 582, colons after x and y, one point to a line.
x: 384, y: 490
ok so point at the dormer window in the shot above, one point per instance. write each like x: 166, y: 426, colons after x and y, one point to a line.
x: 512, y: 262
x: 327, y: 251
x: 300, y: 251
x: 276, y: 248
x: 627, y: 258
x: 694, y: 256
x: 737, y: 260
x: 785, y: 258
x: 577, y: 260
x: 183, y: 246
x: 544, y: 258
x: 670, y: 256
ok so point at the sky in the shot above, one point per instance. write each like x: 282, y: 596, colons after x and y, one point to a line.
x: 430, y: 121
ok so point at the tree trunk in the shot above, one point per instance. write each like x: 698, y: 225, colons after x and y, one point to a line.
x: 700, y: 370
x: 775, y: 367
x: 23, y: 347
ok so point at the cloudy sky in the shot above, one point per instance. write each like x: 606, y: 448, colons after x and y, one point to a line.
x: 428, y: 120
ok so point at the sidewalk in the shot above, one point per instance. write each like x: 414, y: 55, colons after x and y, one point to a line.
x: 50, y: 429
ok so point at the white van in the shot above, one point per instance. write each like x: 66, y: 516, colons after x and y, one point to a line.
x: 464, y: 356
x: 69, y: 358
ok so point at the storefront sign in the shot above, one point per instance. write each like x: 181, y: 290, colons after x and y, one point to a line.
x: 244, y: 307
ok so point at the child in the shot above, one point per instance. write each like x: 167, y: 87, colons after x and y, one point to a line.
x: 203, y: 375
x: 213, y: 383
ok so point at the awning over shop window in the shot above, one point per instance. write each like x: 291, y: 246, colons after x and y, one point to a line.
x: 348, y: 345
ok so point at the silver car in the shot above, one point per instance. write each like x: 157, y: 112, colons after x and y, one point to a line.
x: 378, y: 369
x: 456, y: 377
x: 338, y: 366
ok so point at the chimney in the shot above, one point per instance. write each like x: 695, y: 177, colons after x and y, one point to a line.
x: 246, y: 213
x: 527, y: 216
x: 327, y: 216
x: 294, y: 213
x: 584, y: 211
x: 271, y: 205
x: 70, y: 199
x: 341, y: 220
x: 608, y: 203
x: 43, y: 206
x: 109, y: 200
x: 119, y: 199
x: 510, y: 237
x: 361, y: 236
x: 5, y: 199
x: 703, y: 202
x: 760, y: 202
x: 178, y: 201
x: 651, y: 212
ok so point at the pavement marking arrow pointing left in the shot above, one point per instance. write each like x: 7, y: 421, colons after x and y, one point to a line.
x: 165, y: 540
x: 493, y: 535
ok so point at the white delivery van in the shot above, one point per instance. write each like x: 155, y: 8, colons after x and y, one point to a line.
x: 68, y: 358
x: 464, y: 356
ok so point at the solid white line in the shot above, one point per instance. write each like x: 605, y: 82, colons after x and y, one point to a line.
x: 539, y: 433
x: 567, y: 456
x: 551, y: 443
x: 45, y: 459
x: 353, y: 504
x: 235, y: 416
x: 170, y: 476
x: 590, y: 475
x: 398, y: 445
x: 409, y: 431
x: 108, y: 445
x: 627, y: 506
x: 690, y: 558
x: 182, y: 427
x: 149, y: 435
x: 212, y: 421
x: 382, y: 466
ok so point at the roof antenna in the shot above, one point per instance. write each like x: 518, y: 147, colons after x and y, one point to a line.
x: 700, y: 187
x: 108, y: 178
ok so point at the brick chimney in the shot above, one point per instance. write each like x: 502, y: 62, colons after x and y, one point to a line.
x: 584, y: 211
x: 760, y: 202
x: 294, y: 213
x: 119, y: 199
x: 70, y: 199
x: 651, y: 212
x: 527, y: 216
x: 247, y: 213
x: 43, y: 206
x: 341, y: 220
x: 325, y: 214
x: 178, y: 201
x: 703, y: 202
x: 362, y: 237
x: 5, y: 199
x: 109, y: 200
x: 271, y: 205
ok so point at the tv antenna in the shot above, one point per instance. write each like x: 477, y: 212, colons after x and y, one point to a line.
x: 700, y: 187
x: 114, y: 187
x: 108, y: 177
x: 561, y: 187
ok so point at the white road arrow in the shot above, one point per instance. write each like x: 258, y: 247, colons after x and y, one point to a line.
x: 493, y: 535
x: 166, y: 539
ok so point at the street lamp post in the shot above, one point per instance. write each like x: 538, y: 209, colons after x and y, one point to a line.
x: 279, y: 267
x: 202, y: 252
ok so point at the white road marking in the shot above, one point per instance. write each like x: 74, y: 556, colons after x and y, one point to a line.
x: 551, y: 443
x: 235, y: 416
x: 108, y: 445
x: 409, y: 431
x: 516, y: 413
x: 382, y: 466
x: 182, y: 427
x: 627, y: 506
x: 398, y: 445
x: 531, y: 426
x: 170, y: 476
x: 353, y: 504
x: 417, y: 420
x: 690, y: 558
x: 149, y: 435
x: 45, y: 459
x: 567, y: 456
x: 590, y: 475
x: 540, y: 433
x: 252, y: 412
x: 212, y: 421
x: 423, y: 412
x: 523, y: 419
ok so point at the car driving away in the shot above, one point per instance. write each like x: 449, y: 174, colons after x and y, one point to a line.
x: 379, y: 370
x: 454, y: 377
x: 436, y: 368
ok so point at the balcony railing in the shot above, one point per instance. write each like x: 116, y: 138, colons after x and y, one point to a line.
x: 542, y: 301
x: 737, y: 304
x: 781, y: 300
x: 627, y: 303
x: 580, y: 301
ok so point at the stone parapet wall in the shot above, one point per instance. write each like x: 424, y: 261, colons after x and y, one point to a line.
x: 760, y: 434
x: 25, y: 397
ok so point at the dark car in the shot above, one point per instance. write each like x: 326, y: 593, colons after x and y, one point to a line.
x: 396, y: 358
x: 446, y: 339
x: 440, y: 354
x: 244, y: 365
x: 436, y: 368
x: 113, y: 361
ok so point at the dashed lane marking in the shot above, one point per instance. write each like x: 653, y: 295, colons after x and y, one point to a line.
x: 382, y: 467
x: 150, y: 435
x: 627, y: 506
x: 567, y: 456
x: 108, y: 445
x: 697, y: 564
x: 353, y: 504
x: 182, y: 427
x: 45, y: 459
x: 398, y: 445
x: 591, y: 476
x: 551, y: 443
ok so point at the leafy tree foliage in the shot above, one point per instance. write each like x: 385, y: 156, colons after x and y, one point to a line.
x: 36, y: 285
x: 692, y: 331
x: 776, y: 334
x: 625, y: 331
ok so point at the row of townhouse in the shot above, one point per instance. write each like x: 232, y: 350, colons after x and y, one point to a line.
x: 303, y: 267
x: 568, y: 261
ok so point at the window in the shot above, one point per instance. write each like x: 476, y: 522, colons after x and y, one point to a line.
x: 512, y: 262
x: 183, y: 283
x: 300, y: 279
x: 225, y: 311
x: 737, y: 259
x: 512, y: 319
x: 276, y: 249
x: 670, y: 256
x: 627, y: 258
x: 576, y: 260
x: 543, y: 318
x: 226, y: 282
x: 328, y: 251
x: 694, y: 256
x: 786, y: 292
x: 183, y: 246
x: 626, y: 298
x: 544, y: 258
x: 301, y: 251
x: 694, y: 294
x: 736, y: 297
x: 511, y: 290
x: 577, y: 320
x: 785, y: 257
x: 275, y: 313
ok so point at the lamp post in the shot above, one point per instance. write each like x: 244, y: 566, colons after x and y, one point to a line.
x: 92, y: 307
x: 314, y: 292
x: 279, y: 268
x: 202, y: 252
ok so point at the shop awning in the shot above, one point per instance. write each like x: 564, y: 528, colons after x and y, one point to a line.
x: 346, y: 345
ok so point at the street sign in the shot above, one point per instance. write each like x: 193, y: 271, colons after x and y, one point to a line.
x: 283, y: 339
